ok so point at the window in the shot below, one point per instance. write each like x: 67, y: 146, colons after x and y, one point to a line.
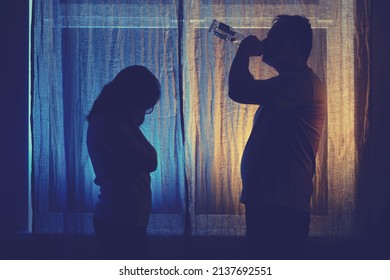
x: 79, y: 46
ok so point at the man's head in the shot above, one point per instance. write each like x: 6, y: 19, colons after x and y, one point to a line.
x: 288, y: 41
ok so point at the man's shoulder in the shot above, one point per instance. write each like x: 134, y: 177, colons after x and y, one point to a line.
x: 299, y: 76
x: 296, y: 84
x: 296, y: 89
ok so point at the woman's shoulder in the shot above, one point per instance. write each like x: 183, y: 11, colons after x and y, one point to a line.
x: 105, y: 124
x: 106, y: 118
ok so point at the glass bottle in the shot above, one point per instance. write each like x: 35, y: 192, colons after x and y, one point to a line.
x: 226, y: 32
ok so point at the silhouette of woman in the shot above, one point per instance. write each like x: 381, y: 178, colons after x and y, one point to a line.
x: 123, y: 159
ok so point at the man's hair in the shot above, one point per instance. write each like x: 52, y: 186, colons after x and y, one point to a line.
x: 296, y: 28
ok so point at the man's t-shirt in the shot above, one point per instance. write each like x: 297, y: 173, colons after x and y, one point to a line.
x: 278, y: 163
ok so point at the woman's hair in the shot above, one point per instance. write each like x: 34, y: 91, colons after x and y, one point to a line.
x: 133, y: 88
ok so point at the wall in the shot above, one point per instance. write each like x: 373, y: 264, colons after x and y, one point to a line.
x: 379, y: 149
x: 13, y: 115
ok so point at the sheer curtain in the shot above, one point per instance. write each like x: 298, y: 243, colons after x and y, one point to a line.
x: 199, y: 133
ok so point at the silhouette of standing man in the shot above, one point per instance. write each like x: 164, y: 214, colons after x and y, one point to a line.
x: 123, y: 159
x: 278, y: 162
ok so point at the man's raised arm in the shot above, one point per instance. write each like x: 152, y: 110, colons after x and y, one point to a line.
x: 243, y: 88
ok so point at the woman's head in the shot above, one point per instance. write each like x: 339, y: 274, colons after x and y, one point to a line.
x: 133, y: 92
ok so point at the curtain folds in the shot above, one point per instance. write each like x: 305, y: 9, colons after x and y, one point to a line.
x: 198, y: 132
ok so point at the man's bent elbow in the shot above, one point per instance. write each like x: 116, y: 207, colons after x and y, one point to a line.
x: 234, y: 95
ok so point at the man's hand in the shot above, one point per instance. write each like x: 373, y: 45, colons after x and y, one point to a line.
x: 251, y: 46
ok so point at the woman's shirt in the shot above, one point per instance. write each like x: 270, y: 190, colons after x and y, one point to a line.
x: 122, y: 159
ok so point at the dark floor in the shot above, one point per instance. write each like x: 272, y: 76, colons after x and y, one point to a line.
x: 47, y: 247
